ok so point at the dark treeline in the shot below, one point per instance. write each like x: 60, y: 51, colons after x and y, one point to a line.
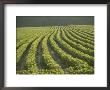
x: 33, y: 21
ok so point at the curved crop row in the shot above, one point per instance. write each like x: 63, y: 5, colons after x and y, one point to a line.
x: 75, y: 31
x: 23, y: 41
x: 74, y: 52
x: 22, y: 53
x: 30, y: 63
x: 48, y: 61
x: 32, y: 32
x: 89, y: 29
x: 85, y: 34
x: 20, y: 38
x: 21, y: 35
x: 21, y: 49
x: 67, y: 59
x: 90, y: 40
x: 80, y: 38
x: 87, y: 45
x: 76, y: 46
x: 24, y: 32
x: 66, y: 49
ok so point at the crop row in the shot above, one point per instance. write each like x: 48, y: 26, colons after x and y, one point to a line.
x: 23, y: 41
x: 75, y: 45
x: 27, y: 50
x: 85, y: 34
x: 47, y: 58
x: 89, y: 40
x: 66, y: 59
x: 73, y: 51
x: 89, y: 29
x: 21, y: 49
x: 80, y: 38
x: 86, y: 45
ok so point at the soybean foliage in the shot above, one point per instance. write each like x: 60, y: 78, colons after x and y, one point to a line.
x: 66, y: 49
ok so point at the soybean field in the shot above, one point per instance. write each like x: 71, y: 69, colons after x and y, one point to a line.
x: 64, y: 49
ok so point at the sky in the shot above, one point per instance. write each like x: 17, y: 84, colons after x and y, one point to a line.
x: 33, y: 21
